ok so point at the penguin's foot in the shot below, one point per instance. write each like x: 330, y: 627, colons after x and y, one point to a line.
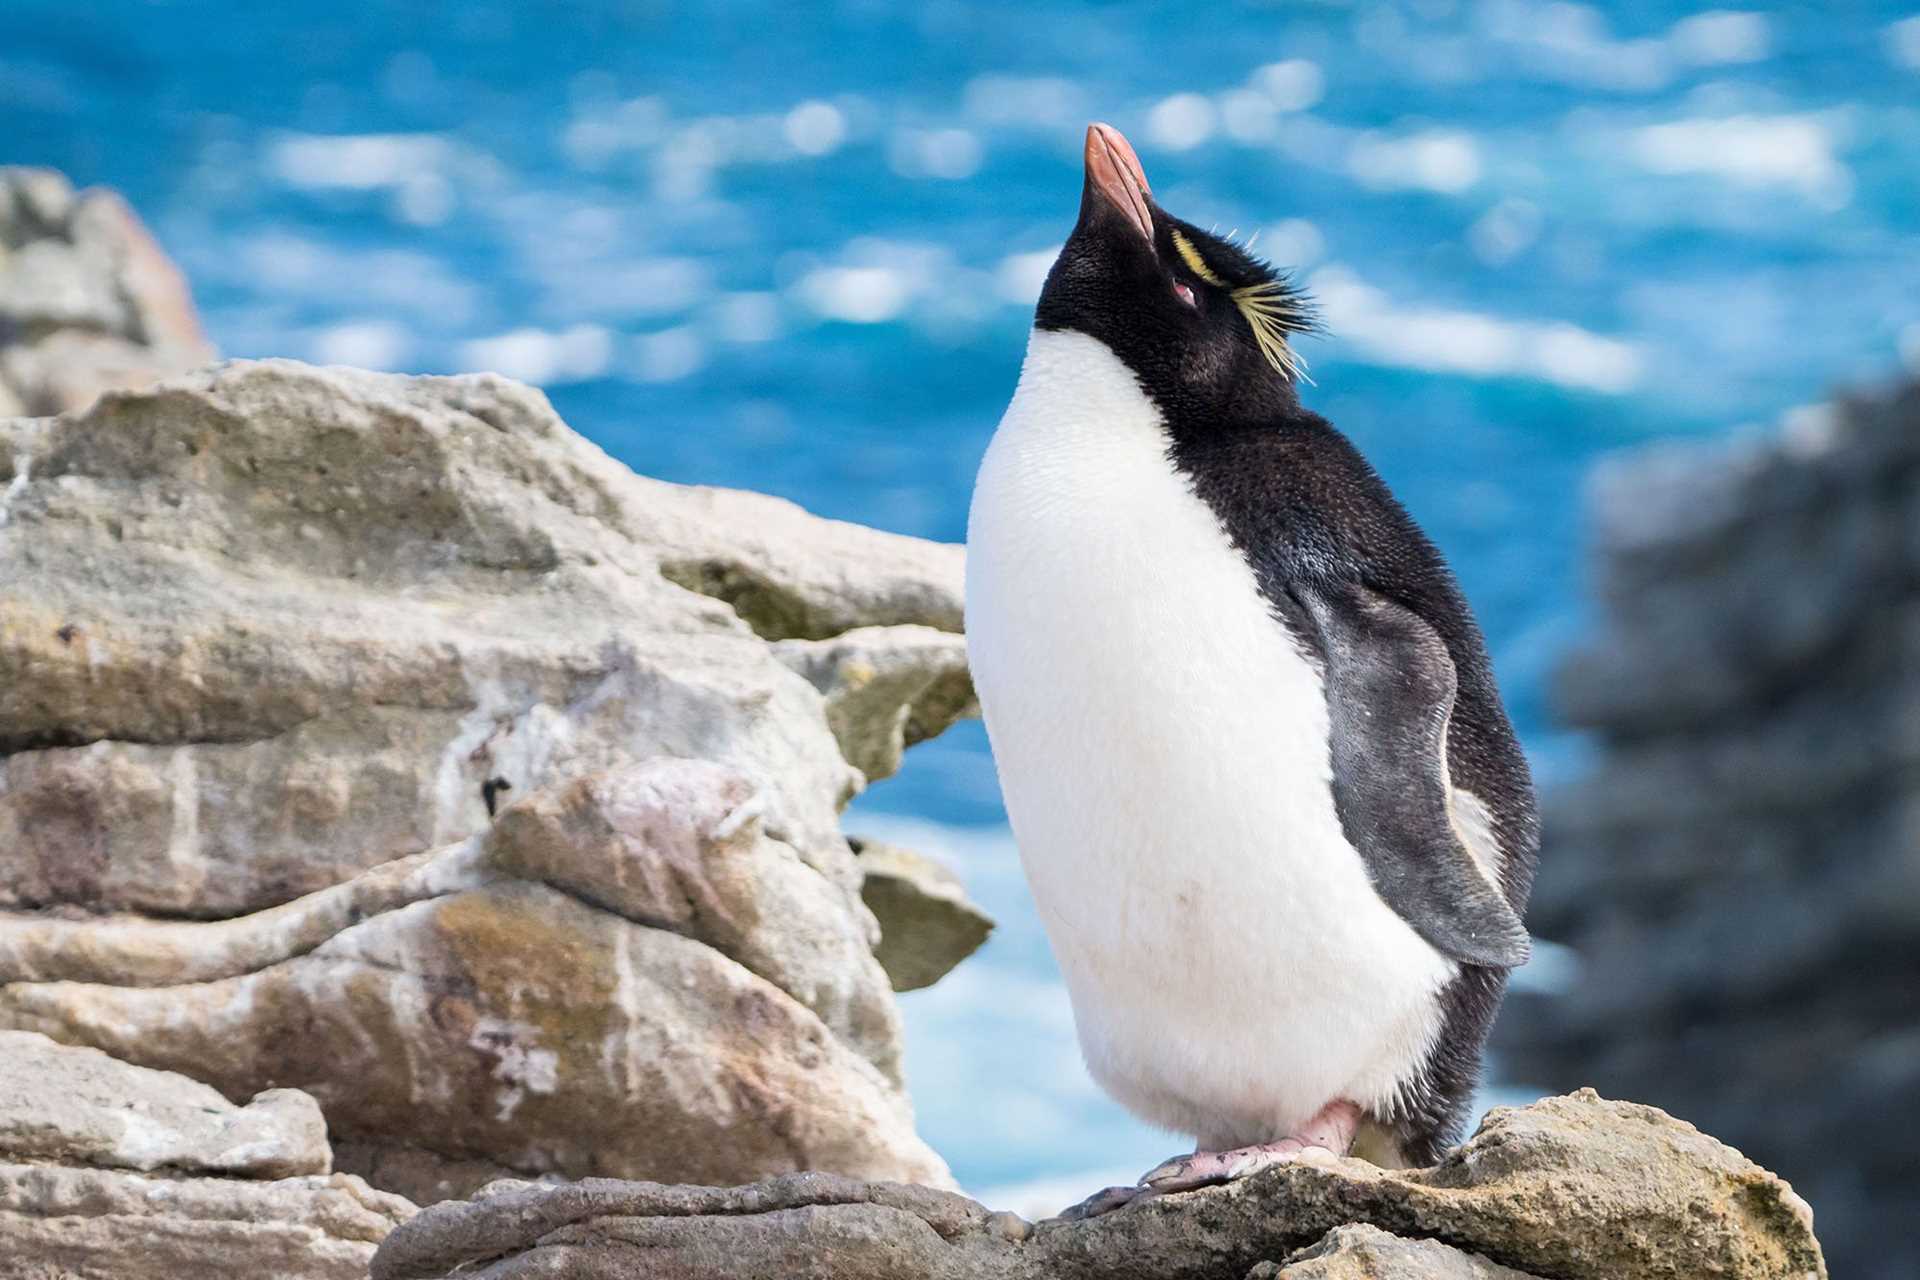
x: 1330, y: 1131
x: 1104, y: 1201
x: 1209, y: 1168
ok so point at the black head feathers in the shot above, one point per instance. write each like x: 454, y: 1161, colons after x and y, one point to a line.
x: 1202, y: 323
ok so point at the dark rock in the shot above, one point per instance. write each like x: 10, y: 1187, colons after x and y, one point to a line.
x: 1740, y: 868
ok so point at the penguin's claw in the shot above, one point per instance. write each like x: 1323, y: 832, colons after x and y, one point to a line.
x: 1208, y: 1168
x: 1105, y: 1201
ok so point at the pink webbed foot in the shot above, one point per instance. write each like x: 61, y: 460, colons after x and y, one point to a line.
x: 1331, y: 1130
x: 1104, y: 1201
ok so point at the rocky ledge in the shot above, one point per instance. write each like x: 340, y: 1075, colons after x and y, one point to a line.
x: 113, y: 1172
x: 1571, y: 1188
x: 383, y: 738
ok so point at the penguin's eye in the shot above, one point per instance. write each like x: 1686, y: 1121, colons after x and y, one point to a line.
x: 1183, y: 293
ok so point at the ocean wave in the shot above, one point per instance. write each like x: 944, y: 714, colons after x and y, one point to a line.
x: 1374, y: 328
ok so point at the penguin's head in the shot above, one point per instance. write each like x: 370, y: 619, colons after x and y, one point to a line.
x: 1202, y: 323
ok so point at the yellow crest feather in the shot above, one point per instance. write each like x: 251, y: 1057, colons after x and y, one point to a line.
x: 1273, y: 311
x: 1195, y: 263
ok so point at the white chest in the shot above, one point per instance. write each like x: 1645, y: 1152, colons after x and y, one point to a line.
x: 1162, y: 748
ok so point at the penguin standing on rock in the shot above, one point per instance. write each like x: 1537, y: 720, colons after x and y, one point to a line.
x: 1272, y: 811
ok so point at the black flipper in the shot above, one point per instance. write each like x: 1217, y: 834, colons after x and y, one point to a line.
x: 1390, y: 689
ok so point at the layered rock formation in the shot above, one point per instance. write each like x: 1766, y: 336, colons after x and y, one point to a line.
x: 381, y: 737
x: 88, y: 302
x: 1740, y: 870
x: 114, y: 1172
x: 1576, y: 1188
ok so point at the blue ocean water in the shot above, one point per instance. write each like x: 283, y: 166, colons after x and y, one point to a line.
x: 794, y: 248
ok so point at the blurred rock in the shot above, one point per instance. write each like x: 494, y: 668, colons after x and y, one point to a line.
x: 88, y: 301
x: 1739, y: 870
x: 927, y: 923
x: 240, y: 1191
x: 1576, y: 1188
x: 363, y: 737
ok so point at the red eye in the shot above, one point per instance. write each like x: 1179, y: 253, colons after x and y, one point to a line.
x: 1183, y: 293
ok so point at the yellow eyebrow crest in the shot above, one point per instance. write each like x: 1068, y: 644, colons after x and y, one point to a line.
x: 1272, y: 310
x: 1196, y: 263
x: 1272, y: 313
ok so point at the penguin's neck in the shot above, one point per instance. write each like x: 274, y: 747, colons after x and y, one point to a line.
x: 1074, y: 391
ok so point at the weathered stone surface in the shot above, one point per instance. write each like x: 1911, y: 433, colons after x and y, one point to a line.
x: 886, y: 689
x: 626, y: 975
x: 269, y: 626
x: 927, y: 923
x: 65, y: 1105
x: 516, y: 1022
x: 1574, y: 1188
x: 1361, y: 1252
x: 1739, y: 869
x: 97, y: 1224
x: 678, y: 845
x: 223, y: 1190
x: 361, y: 736
x: 135, y: 951
x: 88, y: 302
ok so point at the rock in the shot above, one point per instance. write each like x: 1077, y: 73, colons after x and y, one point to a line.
x: 791, y: 575
x: 361, y: 736
x: 886, y: 689
x: 88, y: 302
x: 1574, y: 1188
x: 134, y: 951
x: 1738, y: 869
x: 678, y: 845
x: 625, y: 975
x: 1362, y: 1252
x: 222, y: 1190
x: 467, y: 601
x: 65, y: 1105
x: 98, y: 1224
x: 927, y: 923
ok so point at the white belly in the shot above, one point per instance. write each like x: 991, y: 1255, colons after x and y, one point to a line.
x: 1162, y: 747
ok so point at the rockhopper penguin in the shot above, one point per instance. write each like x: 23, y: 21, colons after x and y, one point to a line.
x: 1272, y: 811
